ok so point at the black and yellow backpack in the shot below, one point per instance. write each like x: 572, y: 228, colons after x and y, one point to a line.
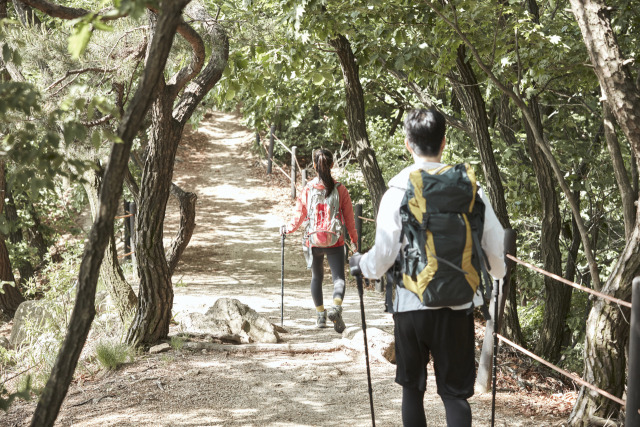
x: 442, y: 219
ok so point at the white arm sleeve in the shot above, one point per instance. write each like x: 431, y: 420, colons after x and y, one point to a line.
x: 382, y: 255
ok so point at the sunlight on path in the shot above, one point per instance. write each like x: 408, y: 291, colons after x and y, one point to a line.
x: 235, y: 250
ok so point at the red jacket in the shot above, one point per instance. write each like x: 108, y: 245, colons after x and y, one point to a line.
x: 346, y: 211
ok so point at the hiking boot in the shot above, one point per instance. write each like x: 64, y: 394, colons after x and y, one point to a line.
x: 321, y: 320
x: 335, y: 315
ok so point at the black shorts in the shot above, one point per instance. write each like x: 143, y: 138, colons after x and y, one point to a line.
x: 448, y: 336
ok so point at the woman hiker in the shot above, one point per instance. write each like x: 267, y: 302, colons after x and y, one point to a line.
x: 327, y: 205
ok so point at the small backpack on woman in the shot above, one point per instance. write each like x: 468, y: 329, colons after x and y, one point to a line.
x: 324, y: 226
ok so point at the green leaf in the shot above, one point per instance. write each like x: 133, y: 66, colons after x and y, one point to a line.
x: 231, y: 92
x: 6, y: 53
x: 258, y: 89
x: 317, y: 78
x: 79, y: 40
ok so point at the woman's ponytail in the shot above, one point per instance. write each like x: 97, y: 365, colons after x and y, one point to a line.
x: 323, y: 160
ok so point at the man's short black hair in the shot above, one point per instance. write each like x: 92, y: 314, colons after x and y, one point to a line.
x: 425, y: 131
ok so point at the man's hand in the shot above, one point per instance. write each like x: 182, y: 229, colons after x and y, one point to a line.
x: 283, y: 230
x: 354, y: 264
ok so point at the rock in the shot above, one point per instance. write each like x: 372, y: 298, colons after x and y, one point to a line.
x: 4, y: 342
x: 381, y: 344
x: 160, y: 348
x: 243, y: 321
x: 199, y: 323
x: 30, y: 318
x: 230, y: 320
x: 350, y: 332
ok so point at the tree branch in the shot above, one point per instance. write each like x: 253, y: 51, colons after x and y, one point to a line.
x: 179, y: 243
x: 211, y: 74
x: 424, y: 97
x: 182, y: 77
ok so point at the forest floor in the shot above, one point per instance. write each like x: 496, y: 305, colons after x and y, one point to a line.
x: 235, y: 252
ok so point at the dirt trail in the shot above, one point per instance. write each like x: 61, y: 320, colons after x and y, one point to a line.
x: 235, y: 252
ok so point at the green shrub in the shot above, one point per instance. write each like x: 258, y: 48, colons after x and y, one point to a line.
x: 111, y: 355
x: 177, y: 342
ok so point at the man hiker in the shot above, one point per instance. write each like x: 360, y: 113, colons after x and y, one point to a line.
x: 431, y: 320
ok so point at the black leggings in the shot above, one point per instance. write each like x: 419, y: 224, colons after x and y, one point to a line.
x: 458, y: 410
x: 335, y: 256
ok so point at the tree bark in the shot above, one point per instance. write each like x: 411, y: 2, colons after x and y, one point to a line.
x: 3, y: 8
x: 506, y: 125
x: 468, y: 93
x: 627, y: 193
x: 111, y: 273
x: 187, y: 225
x: 558, y: 295
x: 155, y: 299
x: 355, y: 114
x: 155, y: 295
x: 84, y: 309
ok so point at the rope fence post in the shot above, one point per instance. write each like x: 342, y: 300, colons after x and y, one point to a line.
x: 293, y: 172
x: 483, y: 379
x: 270, y: 154
x: 303, y: 177
x: 632, y: 416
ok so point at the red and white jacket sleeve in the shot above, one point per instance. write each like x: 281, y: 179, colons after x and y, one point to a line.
x: 300, y: 213
x: 346, y: 209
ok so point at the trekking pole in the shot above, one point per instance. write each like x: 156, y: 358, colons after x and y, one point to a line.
x: 282, y: 284
x: 495, y: 354
x: 366, y: 346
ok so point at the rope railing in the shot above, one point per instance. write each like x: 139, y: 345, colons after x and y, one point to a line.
x: 283, y: 145
x: 570, y: 283
x: 632, y: 403
x: 562, y: 371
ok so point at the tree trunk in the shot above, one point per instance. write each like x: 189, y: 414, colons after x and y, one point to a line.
x: 468, y: 93
x: 607, y: 330
x: 155, y: 295
x: 3, y: 9
x: 558, y: 295
x: 10, y: 297
x: 506, y: 125
x: 610, y: 67
x: 355, y: 114
x: 84, y: 309
x: 187, y: 225
x: 627, y: 193
x: 155, y: 299
x: 607, y: 335
x: 16, y: 237
x: 111, y: 273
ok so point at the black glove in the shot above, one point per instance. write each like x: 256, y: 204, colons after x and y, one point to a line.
x: 354, y: 264
x: 283, y: 230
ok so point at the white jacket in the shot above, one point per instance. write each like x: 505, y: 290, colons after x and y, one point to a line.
x: 375, y: 263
